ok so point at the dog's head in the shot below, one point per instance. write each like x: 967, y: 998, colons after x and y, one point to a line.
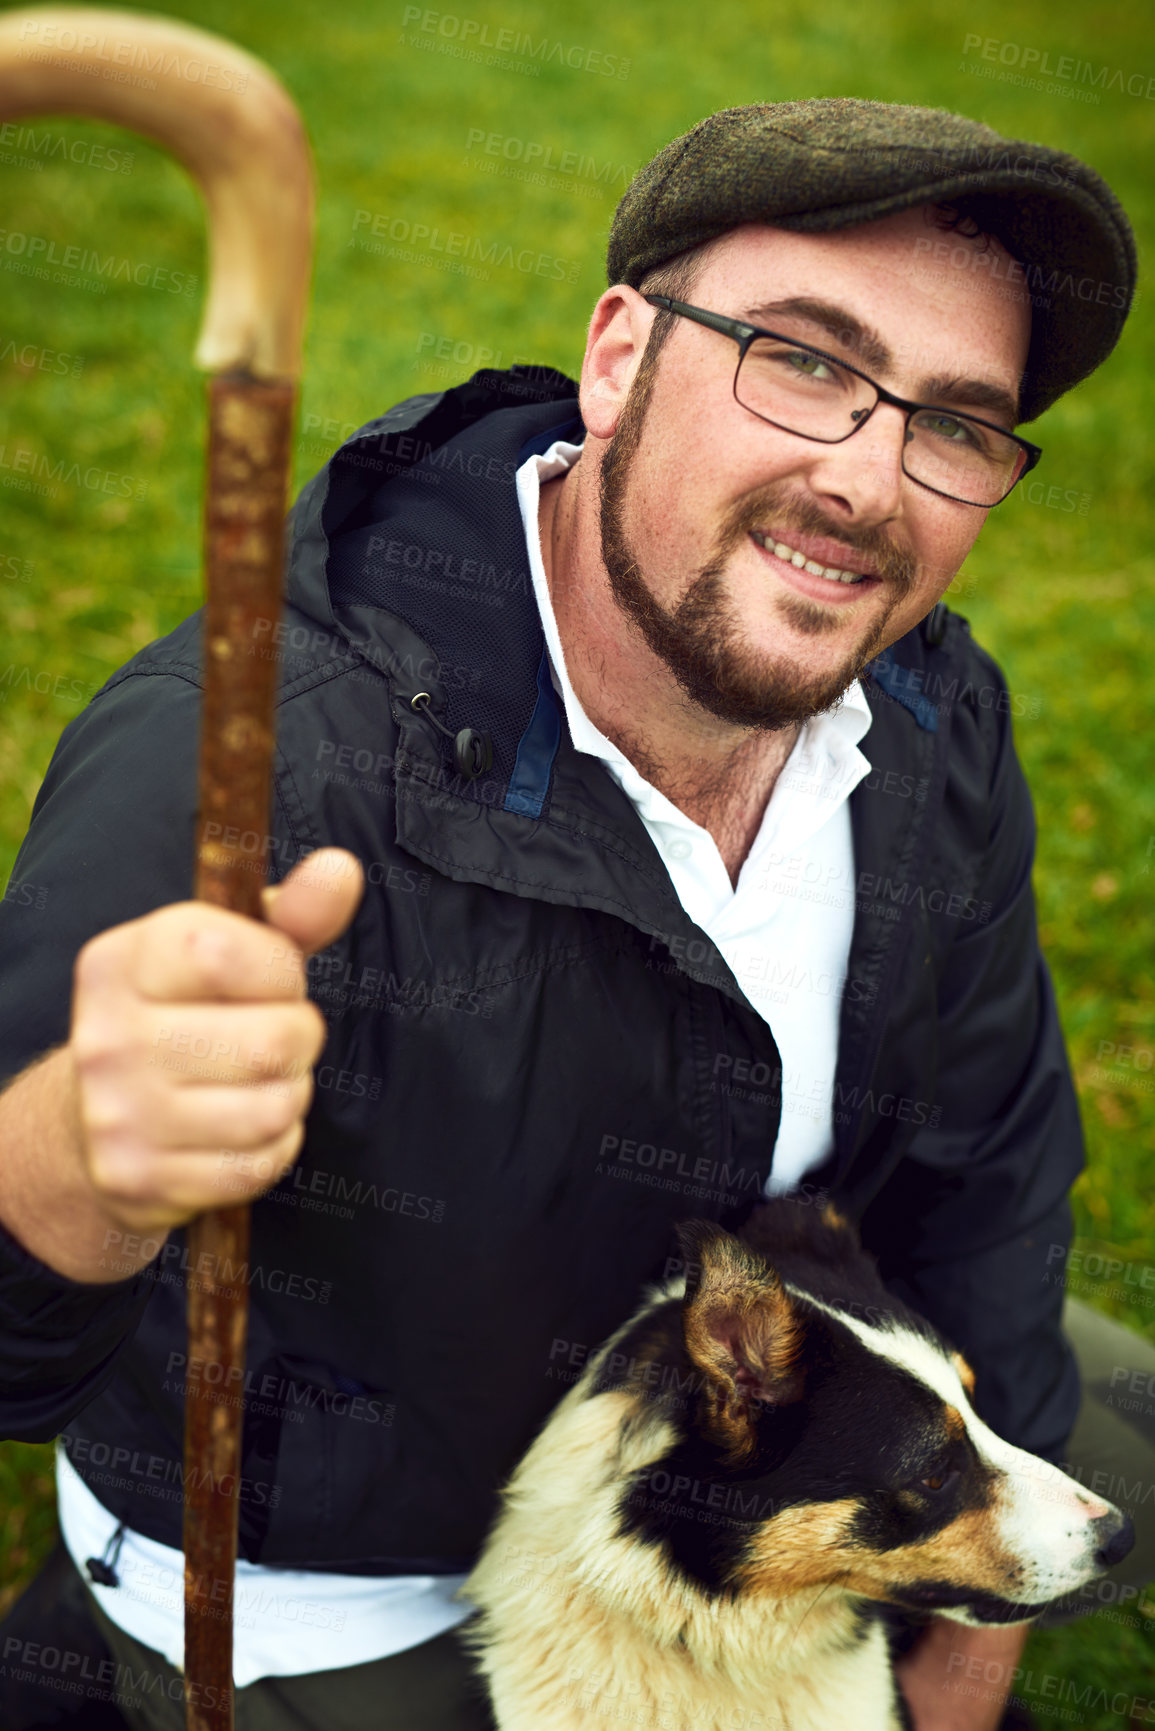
x: 822, y: 1435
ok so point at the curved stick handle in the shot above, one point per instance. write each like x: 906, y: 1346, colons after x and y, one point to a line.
x: 231, y: 123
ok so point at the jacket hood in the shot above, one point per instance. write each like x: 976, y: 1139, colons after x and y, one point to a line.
x: 409, y: 549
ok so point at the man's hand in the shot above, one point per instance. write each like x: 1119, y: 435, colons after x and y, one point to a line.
x: 185, y: 1080
x: 958, y: 1679
x: 193, y: 1042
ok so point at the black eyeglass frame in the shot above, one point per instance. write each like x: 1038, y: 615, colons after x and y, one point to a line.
x: 744, y: 334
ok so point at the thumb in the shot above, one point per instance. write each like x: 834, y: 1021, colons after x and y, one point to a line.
x: 317, y: 900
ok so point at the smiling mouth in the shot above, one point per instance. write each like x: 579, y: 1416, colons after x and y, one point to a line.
x: 792, y: 556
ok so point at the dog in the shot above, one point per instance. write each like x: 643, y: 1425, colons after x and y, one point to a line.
x: 750, y: 1478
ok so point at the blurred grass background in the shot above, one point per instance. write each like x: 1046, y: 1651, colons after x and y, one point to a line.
x: 101, y: 385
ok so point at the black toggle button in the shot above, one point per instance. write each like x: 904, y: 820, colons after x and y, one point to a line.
x: 472, y: 751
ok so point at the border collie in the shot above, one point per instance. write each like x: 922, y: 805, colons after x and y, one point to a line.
x: 710, y: 1529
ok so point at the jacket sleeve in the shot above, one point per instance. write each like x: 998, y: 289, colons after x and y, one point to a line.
x: 111, y: 838
x: 973, y: 1225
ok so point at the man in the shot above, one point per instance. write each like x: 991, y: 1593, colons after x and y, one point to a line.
x: 695, y: 860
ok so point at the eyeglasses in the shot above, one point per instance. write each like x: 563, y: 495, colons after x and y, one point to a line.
x: 815, y: 395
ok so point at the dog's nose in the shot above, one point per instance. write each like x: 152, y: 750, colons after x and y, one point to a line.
x: 1116, y: 1535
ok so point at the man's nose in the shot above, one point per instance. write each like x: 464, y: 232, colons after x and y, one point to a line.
x: 865, y: 472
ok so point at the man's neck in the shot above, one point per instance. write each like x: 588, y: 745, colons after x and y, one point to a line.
x: 719, y: 774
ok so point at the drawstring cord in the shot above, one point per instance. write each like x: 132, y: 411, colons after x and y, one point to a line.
x: 472, y: 751
x: 101, y: 1569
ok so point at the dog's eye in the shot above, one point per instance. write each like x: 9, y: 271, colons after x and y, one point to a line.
x: 943, y: 1480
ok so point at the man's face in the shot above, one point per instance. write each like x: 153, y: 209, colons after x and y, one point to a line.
x: 692, y: 482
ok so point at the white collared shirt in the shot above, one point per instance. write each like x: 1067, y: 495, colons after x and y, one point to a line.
x: 785, y: 932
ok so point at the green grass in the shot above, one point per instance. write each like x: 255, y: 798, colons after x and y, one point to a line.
x: 1066, y: 600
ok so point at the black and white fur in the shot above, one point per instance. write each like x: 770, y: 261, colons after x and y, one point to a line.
x: 773, y: 1450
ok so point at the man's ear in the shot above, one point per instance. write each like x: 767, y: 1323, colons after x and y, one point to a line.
x: 614, y: 346
x: 742, y: 1331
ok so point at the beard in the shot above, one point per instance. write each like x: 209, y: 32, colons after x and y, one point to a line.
x: 701, y: 639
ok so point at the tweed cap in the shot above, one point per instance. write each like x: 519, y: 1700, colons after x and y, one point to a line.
x: 828, y: 162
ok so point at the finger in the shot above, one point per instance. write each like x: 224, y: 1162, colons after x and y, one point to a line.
x: 161, y: 1193
x: 195, y: 951
x: 317, y: 900
x: 233, y: 1119
x: 233, y: 1043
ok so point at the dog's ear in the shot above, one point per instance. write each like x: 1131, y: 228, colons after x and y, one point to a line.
x: 742, y: 1331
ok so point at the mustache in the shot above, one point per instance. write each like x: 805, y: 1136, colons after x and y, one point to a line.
x: 896, y: 565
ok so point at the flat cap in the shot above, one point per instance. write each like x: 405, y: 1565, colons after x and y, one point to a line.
x: 828, y: 162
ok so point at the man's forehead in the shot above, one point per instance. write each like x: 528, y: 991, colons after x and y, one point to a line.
x: 901, y: 293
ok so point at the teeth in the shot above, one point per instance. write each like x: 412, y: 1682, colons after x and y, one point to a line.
x: 793, y: 557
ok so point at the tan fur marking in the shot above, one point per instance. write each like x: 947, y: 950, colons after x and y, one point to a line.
x: 966, y: 1550
x: 830, y: 1216
x: 965, y: 1373
x: 955, y: 1423
x: 802, y: 1547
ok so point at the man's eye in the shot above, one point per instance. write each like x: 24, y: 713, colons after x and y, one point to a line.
x: 949, y: 428
x: 812, y: 366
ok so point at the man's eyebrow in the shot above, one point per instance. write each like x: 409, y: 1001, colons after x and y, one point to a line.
x: 972, y: 394
x: 872, y: 355
x: 870, y: 349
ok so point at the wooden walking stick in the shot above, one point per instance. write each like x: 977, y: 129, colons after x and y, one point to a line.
x: 225, y: 116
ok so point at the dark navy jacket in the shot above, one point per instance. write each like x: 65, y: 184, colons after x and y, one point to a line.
x: 536, y: 1062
